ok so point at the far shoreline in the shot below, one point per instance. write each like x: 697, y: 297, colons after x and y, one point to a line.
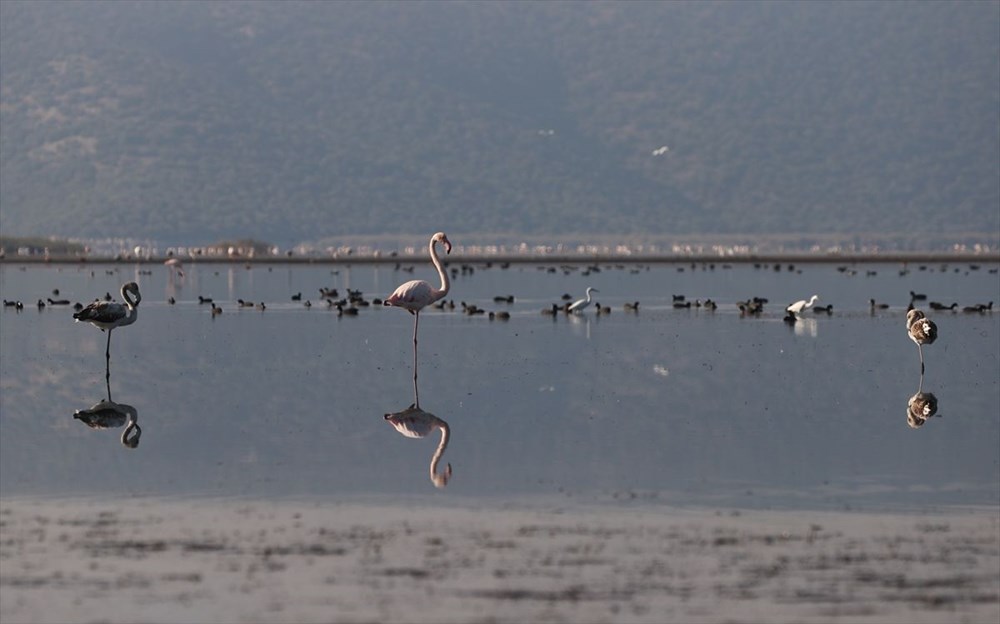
x: 914, y: 257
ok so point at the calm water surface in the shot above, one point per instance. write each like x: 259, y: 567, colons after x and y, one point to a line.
x: 668, y: 405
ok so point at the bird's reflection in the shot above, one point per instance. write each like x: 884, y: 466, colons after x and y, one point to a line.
x: 414, y: 422
x: 802, y: 326
x: 921, y: 407
x: 106, y: 414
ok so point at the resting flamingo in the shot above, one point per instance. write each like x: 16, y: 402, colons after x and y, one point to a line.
x: 415, y: 295
x: 107, y: 315
x: 922, y: 331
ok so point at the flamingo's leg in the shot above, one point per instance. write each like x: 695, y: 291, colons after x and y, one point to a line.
x: 107, y: 364
x: 416, y: 321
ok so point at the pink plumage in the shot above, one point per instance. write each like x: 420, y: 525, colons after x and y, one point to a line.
x: 415, y: 295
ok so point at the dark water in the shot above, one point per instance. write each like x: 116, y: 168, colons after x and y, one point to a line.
x: 677, y: 406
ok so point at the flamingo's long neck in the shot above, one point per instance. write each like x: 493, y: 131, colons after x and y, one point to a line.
x: 441, y: 480
x: 445, y: 282
x: 133, y: 309
x: 130, y: 437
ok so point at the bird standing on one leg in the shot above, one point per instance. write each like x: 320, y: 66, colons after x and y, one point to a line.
x: 107, y: 315
x: 922, y: 331
x: 415, y: 295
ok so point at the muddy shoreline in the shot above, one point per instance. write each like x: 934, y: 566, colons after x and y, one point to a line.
x: 262, y: 561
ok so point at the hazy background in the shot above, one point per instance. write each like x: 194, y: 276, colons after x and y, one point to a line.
x: 290, y: 122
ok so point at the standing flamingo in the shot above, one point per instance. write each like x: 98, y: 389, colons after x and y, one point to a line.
x: 107, y: 315
x: 415, y: 295
x: 175, y: 265
x: 922, y: 331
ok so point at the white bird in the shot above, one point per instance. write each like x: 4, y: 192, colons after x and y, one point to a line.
x: 922, y: 331
x: 581, y: 305
x: 414, y: 422
x: 107, y: 315
x: 415, y: 295
x: 802, y: 304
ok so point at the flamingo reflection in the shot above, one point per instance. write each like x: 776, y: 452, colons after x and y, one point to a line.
x: 106, y: 414
x: 921, y: 407
x: 414, y: 422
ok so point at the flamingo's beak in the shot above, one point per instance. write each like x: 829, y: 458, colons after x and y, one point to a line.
x: 447, y: 246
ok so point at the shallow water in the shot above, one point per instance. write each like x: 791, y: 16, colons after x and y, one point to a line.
x: 667, y: 405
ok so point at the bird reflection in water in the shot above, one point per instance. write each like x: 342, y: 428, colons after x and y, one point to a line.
x: 921, y: 407
x: 414, y: 422
x: 806, y: 327
x: 106, y: 414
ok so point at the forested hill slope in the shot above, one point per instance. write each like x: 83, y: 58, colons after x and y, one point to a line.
x: 294, y: 121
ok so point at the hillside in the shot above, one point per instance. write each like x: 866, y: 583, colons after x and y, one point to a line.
x: 298, y: 121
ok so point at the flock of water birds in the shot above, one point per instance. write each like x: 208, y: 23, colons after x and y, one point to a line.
x: 416, y: 295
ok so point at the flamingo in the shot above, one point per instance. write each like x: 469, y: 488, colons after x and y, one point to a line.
x: 414, y: 422
x: 581, y: 305
x: 107, y: 315
x: 175, y: 265
x: 415, y: 295
x: 802, y: 304
x: 922, y: 331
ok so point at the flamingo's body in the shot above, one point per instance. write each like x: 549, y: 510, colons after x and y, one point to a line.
x: 415, y: 295
x: 802, y: 304
x: 581, y: 305
x: 921, y: 330
x: 107, y: 315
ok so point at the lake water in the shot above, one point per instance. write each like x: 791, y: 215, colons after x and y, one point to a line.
x: 677, y: 406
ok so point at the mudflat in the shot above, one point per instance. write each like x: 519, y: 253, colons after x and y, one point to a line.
x: 165, y: 560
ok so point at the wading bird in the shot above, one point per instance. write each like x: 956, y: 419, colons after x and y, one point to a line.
x: 581, y: 305
x: 801, y: 304
x: 415, y: 295
x: 107, y: 315
x: 922, y: 331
